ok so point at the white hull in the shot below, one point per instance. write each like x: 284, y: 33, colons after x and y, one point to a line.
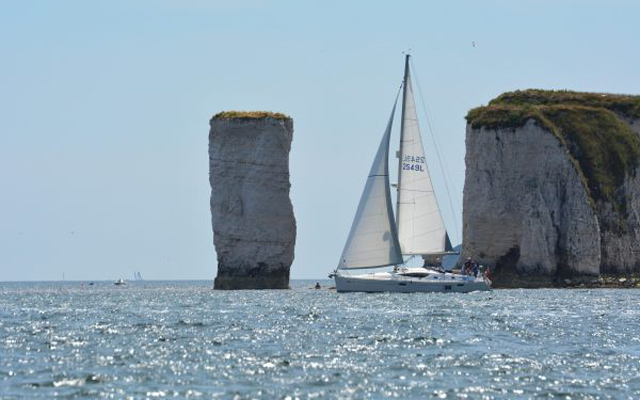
x: 410, y: 280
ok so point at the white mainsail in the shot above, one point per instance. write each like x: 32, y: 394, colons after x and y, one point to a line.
x: 421, y: 229
x: 373, y: 240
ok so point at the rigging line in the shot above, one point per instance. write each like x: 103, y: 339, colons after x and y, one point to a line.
x: 431, y: 129
x: 435, y: 143
x: 434, y: 139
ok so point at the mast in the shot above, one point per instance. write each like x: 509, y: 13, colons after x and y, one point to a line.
x: 402, y: 126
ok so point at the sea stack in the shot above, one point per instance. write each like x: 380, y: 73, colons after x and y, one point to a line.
x: 254, y: 229
x: 552, y: 189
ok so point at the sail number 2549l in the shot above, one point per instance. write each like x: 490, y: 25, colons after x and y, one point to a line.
x: 413, y: 163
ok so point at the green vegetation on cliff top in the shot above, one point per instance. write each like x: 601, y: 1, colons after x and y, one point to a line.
x: 514, y: 109
x: 589, y: 126
x: 249, y: 115
x: 625, y: 105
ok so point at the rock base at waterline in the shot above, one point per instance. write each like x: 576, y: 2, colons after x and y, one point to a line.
x: 273, y: 279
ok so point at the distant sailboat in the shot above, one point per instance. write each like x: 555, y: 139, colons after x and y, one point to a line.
x: 376, y: 240
x: 137, y: 276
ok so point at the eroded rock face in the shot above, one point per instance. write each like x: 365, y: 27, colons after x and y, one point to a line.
x: 620, y: 230
x: 552, y: 189
x: 251, y: 212
x: 526, y: 212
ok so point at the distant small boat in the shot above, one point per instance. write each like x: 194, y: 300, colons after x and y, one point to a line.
x: 120, y: 282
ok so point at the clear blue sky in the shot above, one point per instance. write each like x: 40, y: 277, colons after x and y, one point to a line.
x: 104, y: 110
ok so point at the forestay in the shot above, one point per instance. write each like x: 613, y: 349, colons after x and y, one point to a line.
x: 373, y: 239
x: 421, y: 229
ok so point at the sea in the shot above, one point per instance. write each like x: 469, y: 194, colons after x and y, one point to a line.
x: 182, y: 339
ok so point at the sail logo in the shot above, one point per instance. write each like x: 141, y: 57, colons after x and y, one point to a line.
x: 413, y: 163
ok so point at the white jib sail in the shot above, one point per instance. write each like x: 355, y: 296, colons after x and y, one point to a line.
x: 373, y: 239
x: 421, y: 229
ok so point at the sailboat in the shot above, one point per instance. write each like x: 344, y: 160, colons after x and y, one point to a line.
x: 377, y: 240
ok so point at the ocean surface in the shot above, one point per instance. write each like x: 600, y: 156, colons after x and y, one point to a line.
x: 184, y: 340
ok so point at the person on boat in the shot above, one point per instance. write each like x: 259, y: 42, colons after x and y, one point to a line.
x: 318, y: 285
x: 438, y: 266
x: 475, y: 270
x: 466, y: 267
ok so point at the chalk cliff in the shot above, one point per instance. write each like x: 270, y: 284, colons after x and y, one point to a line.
x: 552, y: 191
x: 253, y: 222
